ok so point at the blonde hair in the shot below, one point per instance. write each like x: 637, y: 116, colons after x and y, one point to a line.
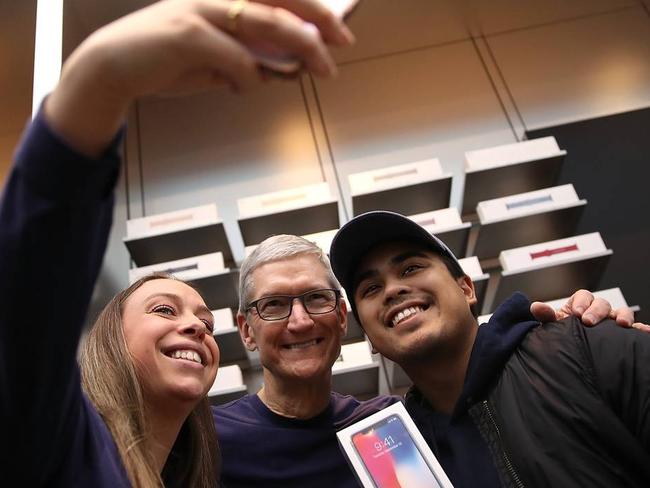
x: 109, y: 379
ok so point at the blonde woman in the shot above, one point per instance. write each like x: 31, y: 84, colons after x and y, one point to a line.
x: 141, y: 418
x: 146, y: 366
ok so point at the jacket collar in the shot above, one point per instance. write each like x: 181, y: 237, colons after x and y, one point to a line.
x: 494, y: 344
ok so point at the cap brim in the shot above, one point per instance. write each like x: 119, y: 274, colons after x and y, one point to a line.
x: 367, y: 231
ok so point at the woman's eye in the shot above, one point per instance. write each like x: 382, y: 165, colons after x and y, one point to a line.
x: 164, y: 309
x: 208, y: 325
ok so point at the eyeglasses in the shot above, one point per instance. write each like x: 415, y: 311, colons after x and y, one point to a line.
x: 278, y: 307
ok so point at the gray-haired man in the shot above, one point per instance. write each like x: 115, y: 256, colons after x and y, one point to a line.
x: 291, y: 311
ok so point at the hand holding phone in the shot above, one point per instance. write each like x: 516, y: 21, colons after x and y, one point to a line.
x: 285, y: 64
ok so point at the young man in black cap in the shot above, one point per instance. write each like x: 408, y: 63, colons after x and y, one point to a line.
x: 510, y: 403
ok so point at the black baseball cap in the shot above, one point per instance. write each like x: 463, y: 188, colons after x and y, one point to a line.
x: 366, y: 231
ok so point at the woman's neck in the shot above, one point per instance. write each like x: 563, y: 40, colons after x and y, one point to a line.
x: 164, y: 427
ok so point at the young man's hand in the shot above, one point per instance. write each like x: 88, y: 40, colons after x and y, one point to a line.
x: 590, y: 309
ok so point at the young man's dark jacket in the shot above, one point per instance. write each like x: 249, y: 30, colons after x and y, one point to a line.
x: 546, y: 405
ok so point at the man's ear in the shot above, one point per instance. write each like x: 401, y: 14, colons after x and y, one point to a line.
x: 343, y: 316
x: 246, y: 332
x: 467, y: 285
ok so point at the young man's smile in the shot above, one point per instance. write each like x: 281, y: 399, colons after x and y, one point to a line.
x: 408, y: 301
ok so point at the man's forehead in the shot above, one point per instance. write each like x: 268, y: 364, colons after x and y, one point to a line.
x: 391, y: 254
x: 302, y: 271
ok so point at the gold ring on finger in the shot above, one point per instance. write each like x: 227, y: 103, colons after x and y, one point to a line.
x: 234, y: 13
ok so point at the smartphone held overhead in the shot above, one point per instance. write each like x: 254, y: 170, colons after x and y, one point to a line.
x: 284, y: 64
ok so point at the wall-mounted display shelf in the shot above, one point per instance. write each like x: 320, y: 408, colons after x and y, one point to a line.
x: 355, y: 372
x: 228, y: 385
x: 526, y: 218
x: 185, y: 269
x: 217, y: 284
x: 448, y: 226
x: 224, y: 320
x: 550, y: 269
x: 227, y: 336
x: 511, y: 168
x: 299, y: 211
x: 355, y: 332
x: 174, y: 235
x: 396, y: 376
x: 410, y: 188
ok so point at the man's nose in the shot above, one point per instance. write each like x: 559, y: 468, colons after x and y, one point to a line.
x: 299, y: 319
x: 393, y: 289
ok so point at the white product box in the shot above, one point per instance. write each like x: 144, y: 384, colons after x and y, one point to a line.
x: 282, y: 201
x: 439, y: 221
x: 229, y: 378
x: 387, y: 446
x: 529, y: 203
x: 354, y: 355
x: 172, y: 221
x: 397, y: 176
x: 472, y: 268
x: 508, y: 154
x: 552, y: 253
x: 187, y: 269
x: 223, y: 321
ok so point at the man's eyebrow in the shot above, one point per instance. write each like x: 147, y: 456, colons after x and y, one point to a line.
x: 369, y: 273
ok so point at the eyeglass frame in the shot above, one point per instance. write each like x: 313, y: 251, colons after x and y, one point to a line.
x: 301, y: 297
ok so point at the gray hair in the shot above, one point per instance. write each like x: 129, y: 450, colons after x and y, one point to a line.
x: 276, y: 248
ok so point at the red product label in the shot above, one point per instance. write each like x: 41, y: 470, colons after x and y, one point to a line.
x: 550, y: 252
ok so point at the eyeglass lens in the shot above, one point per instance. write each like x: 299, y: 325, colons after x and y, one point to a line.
x: 316, y: 301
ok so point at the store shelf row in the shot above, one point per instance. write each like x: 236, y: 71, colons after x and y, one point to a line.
x: 514, y: 231
x: 418, y: 189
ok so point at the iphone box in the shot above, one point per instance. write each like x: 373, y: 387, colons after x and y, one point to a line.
x: 387, y: 450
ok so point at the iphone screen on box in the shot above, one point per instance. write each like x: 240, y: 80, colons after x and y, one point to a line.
x: 391, y: 457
